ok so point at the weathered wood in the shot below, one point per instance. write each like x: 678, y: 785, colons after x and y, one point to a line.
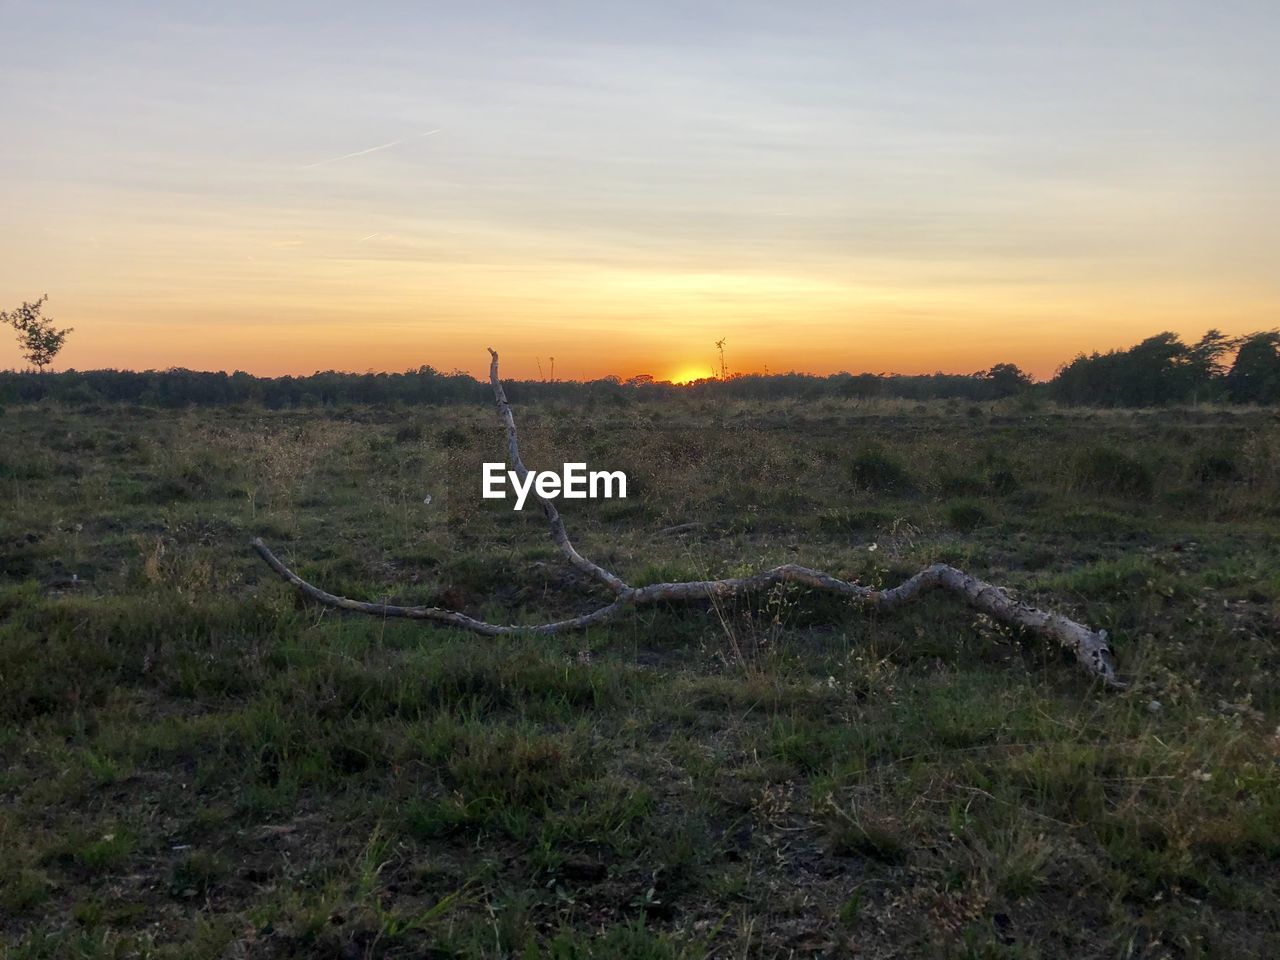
x: 1089, y: 646
x: 558, y: 533
x: 449, y: 618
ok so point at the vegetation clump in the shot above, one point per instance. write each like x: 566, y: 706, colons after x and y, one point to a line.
x: 1215, y: 466
x: 966, y: 516
x: 874, y: 468
x: 1107, y: 470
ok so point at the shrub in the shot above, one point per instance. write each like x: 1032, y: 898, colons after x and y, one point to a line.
x: 965, y: 515
x: 873, y: 468
x: 411, y: 433
x: 451, y: 438
x: 1106, y: 470
x: 1214, y: 466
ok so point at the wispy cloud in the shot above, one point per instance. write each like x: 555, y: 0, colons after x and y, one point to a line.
x: 361, y: 153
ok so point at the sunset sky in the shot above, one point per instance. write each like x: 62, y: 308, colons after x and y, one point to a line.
x: 907, y: 186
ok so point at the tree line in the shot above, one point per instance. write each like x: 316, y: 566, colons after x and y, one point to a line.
x: 179, y: 388
x: 1159, y: 370
x: 1162, y: 369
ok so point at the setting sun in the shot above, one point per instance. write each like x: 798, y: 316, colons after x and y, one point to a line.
x: 689, y: 373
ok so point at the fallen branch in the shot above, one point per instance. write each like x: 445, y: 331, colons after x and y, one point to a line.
x: 1089, y: 646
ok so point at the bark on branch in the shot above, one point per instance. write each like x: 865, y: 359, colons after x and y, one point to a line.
x: 1089, y: 646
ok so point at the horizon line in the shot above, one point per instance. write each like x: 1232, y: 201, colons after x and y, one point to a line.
x: 637, y: 379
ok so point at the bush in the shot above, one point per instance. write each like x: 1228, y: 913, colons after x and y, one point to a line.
x: 411, y: 433
x: 1107, y: 470
x: 875, y: 469
x: 451, y: 438
x: 1215, y: 466
x: 965, y: 515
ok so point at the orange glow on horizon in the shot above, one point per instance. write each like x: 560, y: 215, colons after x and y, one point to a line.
x: 301, y: 347
x: 688, y: 374
x: 303, y: 315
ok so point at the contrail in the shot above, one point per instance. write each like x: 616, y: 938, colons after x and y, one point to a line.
x: 361, y: 153
x: 369, y: 237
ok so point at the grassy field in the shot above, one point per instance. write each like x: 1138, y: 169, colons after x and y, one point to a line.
x: 194, y: 763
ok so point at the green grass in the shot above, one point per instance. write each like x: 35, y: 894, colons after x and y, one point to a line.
x: 197, y: 764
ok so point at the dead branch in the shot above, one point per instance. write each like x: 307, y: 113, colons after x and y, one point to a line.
x: 1089, y: 646
x: 548, y: 508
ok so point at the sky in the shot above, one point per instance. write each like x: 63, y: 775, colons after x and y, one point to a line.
x: 891, y: 186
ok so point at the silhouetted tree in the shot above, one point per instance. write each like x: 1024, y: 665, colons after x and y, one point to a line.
x: 1161, y: 369
x: 40, y: 341
x: 1254, y: 377
x: 1005, y: 380
x: 862, y: 385
x: 1149, y: 372
x: 1203, y: 366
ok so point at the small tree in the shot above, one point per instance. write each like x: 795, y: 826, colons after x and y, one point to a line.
x: 40, y: 341
x: 1006, y: 379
